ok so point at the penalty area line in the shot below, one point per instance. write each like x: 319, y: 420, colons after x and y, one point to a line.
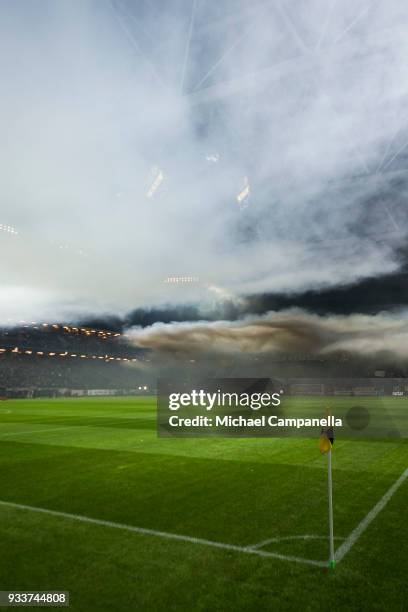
x: 161, y: 534
x: 361, y: 527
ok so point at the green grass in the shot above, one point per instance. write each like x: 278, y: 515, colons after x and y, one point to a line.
x: 101, y: 458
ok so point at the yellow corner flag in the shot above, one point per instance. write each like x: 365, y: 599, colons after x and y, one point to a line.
x: 326, y: 439
x: 324, y: 444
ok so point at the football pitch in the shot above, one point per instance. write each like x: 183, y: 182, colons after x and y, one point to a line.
x: 93, y: 503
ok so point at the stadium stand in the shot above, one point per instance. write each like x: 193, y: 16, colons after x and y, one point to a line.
x: 37, y: 361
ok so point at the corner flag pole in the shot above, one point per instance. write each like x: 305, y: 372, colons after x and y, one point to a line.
x: 325, y: 445
x: 332, y: 562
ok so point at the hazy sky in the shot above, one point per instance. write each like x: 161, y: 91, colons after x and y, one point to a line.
x: 304, y: 103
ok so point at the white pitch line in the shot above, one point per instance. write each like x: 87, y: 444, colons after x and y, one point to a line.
x: 161, y: 534
x: 22, y: 433
x: 285, y: 538
x: 359, y: 530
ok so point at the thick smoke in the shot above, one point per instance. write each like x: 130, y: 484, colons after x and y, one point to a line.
x: 287, y: 332
x: 304, y: 103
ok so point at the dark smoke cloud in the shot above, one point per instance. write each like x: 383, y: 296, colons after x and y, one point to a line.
x: 369, y: 296
x: 286, y: 332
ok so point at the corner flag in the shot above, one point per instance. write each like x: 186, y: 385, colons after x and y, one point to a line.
x: 325, y: 446
x: 326, y: 435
